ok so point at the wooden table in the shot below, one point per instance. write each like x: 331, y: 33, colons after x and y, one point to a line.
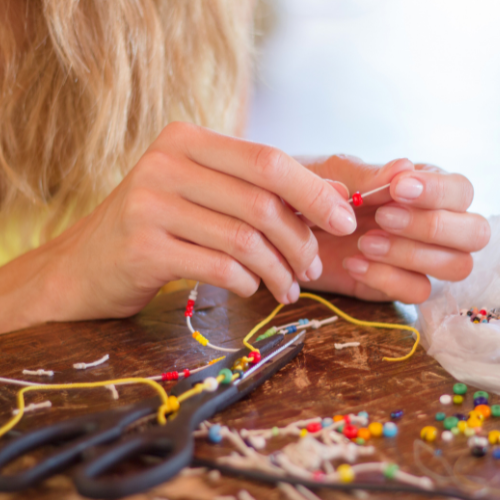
x: 321, y: 381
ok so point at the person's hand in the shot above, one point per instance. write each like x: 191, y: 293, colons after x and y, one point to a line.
x: 417, y: 227
x: 201, y: 206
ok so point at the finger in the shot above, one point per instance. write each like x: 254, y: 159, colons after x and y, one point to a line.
x: 258, y: 208
x: 433, y: 189
x: 265, y: 167
x: 396, y: 283
x: 466, y: 232
x: 365, y: 292
x: 440, y: 262
x: 239, y: 240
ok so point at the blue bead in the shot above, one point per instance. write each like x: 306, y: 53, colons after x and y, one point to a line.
x: 326, y: 422
x: 460, y: 416
x: 303, y: 321
x: 363, y: 414
x: 496, y: 452
x: 480, y: 401
x: 397, y: 414
x: 291, y: 329
x: 214, y: 435
x: 390, y: 429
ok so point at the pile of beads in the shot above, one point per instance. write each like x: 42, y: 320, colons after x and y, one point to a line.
x: 481, y: 315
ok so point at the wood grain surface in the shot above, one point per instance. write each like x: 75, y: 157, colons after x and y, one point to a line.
x: 321, y: 381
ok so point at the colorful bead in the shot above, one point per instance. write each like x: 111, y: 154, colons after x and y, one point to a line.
x: 350, y: 431
x: 447, y: 436
x: 494, y: 437
x: 268, y: 333
x: 397, y: 414
x: 326, y: 422
x: 303, y: 433
x: 275, y: 431
x: 476, y: 414
x: 241, y: 373
x: 496, y: 453
x: 291, y: 329
x: 227, y: 374
x: 211, y: 384
x: 454, y: 431
x: 460, y: 416
x: 390, y: 429
x: 200, y: 338
x: 314, y: 427
x: 376, y: 429
x: 457, y: 399
x: 363, y: 414
x: 214, y: 434
x: 345, y: 472
x: 462, y: 425
x: 469, y: 432
x: 317, y: 475
x: 474, y: 423
x: 190, y: 303
x: 480, y: 401
x: 445, y: 399
x: 173, y: 403
x: 460, y: 388
x: 188, y: 313
x: 364, y: 433
x: 338, y: 418
x: 440, y: 416
x: 303, y: 321
x: 390, y: 471
x: 360, y: 441
x: 484, y: 410
x: 481, y: 394
x: 255, y: 357
x: 478, y: 446
x: 495, y: 410
x: 170, y: 376
x: 187, y: 373
x: 450, y: 422
x: 429, y: 433
x: 357, y: 199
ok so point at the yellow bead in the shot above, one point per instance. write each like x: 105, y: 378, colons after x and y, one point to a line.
x: 457, y: 399
x: 494, y: 437
x: 476, y: 414
x: 474, y: 422
x: 173, y: 403
x: 303, y: 433
x: 462, y: 425
x: 469, y: 432
x: 376, y: 429
x: 345, y: 473
x: 429, y: 433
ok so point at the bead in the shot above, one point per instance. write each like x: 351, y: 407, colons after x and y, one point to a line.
x: 350, y: 431
x: 190, y: 303
x: 357, y: 199
x: 390, y: 429
x: 484, y: 410
x: 268, y: 333
x: 214, y: 435
x: 241, y: 373
x: 445, y: 399
x: 314, y: 427
x: 460, y: 416
x: 360, y: 441
x: 173, y: 403
x: 364, y: 433
x: 345, y: 472
x: 447, y: 436
x: 476, y: 414
x: 480, y: 401
x: 484, y: 312
x: 187, y: 373
x: 496, y: 452
x: 188, y: 313
x: 440, y: 416
x: 462, y: 425
x: 338, y: 418
x: 429, y: 433
x: 494, y: 437
x: 363, y: 414
x: 255, y: 357
x: 397, y: 414
x: 450, y: 422
x: 481, y: 394
x: 326, y: 422
x: 170, y: 376
x: 495, y: 410
x: 460, y: 388
x: 318, y: 475
x: 303, y: 321
x: 390, y: 471
x: 291, y: 329
x: 478, y: 446
x: 340, y: 428
x: 227, y: 374
x: 347, y: 419
x: 473, y: 422
x: 275, y: 431
x: 376, y: 429
x: 455, y: 431
x: 210, y: 384
x: 303, y: 433
x: 457, y: 399
x: 469, y: 432
x: 200, y: 338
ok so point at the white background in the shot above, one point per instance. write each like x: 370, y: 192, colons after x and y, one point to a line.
x: 382, y: 79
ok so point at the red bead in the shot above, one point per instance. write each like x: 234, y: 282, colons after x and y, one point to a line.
x: 350, y: 431
x: 186, y: 373
x: 357, y: 200
x: 170, y: 376
x: 347, y: 419
x: 255, y: 357
x: 318, y: 475
x: 314, y: 427
x: 484, y: 312
x: 188, y: 313
x: 190, y: 303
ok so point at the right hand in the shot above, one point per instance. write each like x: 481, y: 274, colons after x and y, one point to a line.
x: 201, y: 206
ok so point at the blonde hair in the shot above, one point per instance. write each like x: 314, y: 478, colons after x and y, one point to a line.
x: 90, y: 86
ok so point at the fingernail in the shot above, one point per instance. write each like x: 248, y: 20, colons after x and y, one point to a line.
x: 293, y: 293
x: 374, y: 245
x: 409, y: 188
x: 392, y: 217
x: 355, y: 265
x: 315, y: 269
x: 343, y: 220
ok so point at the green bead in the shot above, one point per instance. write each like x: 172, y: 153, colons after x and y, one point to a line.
x: 459, y: 388
x: 495, y: 410
x: 268, y: 333
x: 360, y: 441
x: 340, y: 429
x: 390, y: 471
x: 450, y: 422
x: 275, y: 431
x: 455, y: 431
x: 227, y: 374
x: 481, y: 394
x: 440, y: 416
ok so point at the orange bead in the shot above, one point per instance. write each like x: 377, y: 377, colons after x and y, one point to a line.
x: 338, y: 418
x: 484, y: 410
x: 364, y: 433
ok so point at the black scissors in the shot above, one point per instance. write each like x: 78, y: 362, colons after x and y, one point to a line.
x: 173, y: 443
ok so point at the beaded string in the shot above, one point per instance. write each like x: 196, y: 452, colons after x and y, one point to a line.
x: 292, y: 327
x: 40, y: 372
x: 357, y: 197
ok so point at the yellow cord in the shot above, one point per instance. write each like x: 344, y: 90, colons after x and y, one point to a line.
x: 342, y: 314
x: 168, y: 403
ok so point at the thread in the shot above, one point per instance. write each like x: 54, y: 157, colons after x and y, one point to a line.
x: 373, y: 191
x: 112, y: 389
x: 40, y: 372
x: 84, y: 366
x: 346, y: 344
x: 33, y: 407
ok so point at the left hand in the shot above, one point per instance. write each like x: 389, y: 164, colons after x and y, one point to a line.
x: 417, y: 227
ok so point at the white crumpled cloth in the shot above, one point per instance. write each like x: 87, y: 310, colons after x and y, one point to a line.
x: 468, y: 351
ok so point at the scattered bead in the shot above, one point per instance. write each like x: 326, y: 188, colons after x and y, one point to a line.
x: 429, y: 433
x: 494, y: 437
x: 275, y: 431
x: 338, y: 418
x: 345, y: 472
x: 390, y: 471
x: 454, y: 431
x: 460, y: 416
x: 364, y: 433
x: 484, y: 410
x: 480, y: 401
x: 326, y: 422
x: 363, y: 414
x: 227, y: 374
x: 376, y: 429
x: 303, y: 433
x: 350, y: 431
x: 360, y: 441
x: 314, y: 427
x: 469, y: 432
x: 481, y: 394
x: 496, y: 452
x: 474, y: 423
x: 357, y: 199
x: 445, y: 399
x: 255, y: 357
x: 462, y: 425
x: 390, y: 429
x: 495, y: 410
x: 397, y: 414
x: 478, y: 446
x: 447, y: 436
x: 460, y: 388
x: 457, y: 399
x: 450, y: 422
x: 214, y: 435
x: 440, y: 416
x: 476, y: 414
x: 211, y: 384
